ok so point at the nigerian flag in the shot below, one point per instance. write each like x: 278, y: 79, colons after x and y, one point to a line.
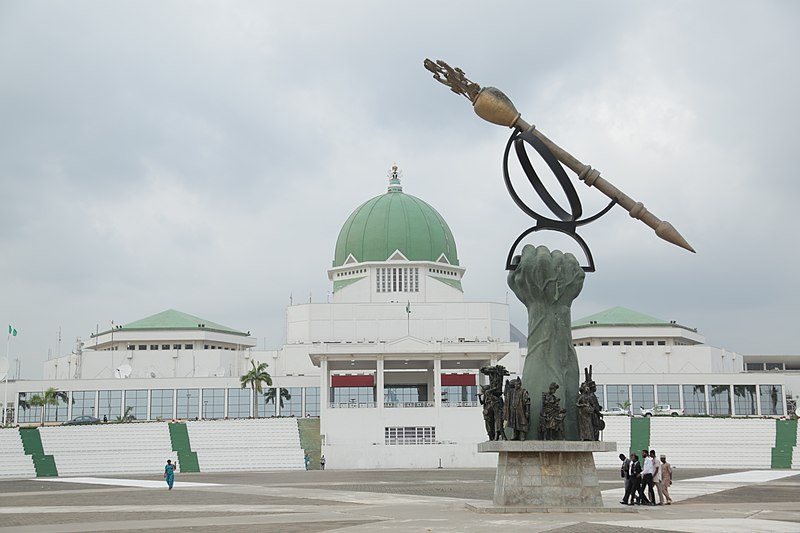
x: 12, y: 331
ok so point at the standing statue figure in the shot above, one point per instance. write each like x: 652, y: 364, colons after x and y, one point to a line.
x: 489, y: 403
x: 547, y: 283
x: 552, y: 415
x: 492, y: 401
x: 517, y: 408
x: 590, y: 418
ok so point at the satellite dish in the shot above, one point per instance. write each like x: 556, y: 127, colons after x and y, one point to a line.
x: 219, y: 372
x: 3, y: 368
x: 123, y: 371
x: 152, y: 374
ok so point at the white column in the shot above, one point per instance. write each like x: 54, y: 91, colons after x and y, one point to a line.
x: 324, y: 397
x: 379, y: 386
x: 149, y: 403
x: 437, y: 381
x: 69, y: 406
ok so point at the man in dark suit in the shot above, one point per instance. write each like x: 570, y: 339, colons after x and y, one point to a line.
x: 635, y: 473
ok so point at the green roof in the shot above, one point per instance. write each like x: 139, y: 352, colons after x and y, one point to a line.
x: 395, y: 221
x: 619, y: 316
x: 172, y: 319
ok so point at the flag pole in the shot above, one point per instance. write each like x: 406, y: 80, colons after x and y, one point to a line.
x: 5, y: 391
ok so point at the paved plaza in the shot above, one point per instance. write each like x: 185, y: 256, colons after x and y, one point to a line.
x: 706, y: 501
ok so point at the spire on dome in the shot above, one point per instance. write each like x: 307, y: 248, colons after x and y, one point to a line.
x: 394, y: 179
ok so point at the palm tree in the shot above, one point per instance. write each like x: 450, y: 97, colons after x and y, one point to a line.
x: 61, y: 397
x: 254, y: 378
x: 127, y: 416
x: 51, y: 396
x: 37, y: 400
x: 270, y: 396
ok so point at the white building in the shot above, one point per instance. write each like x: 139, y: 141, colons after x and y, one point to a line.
x: 391, y: 364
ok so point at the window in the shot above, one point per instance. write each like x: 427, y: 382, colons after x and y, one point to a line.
x: 669, y: 394
x: 312, y: 401
x: 83, y: 403
x: 773, y: 366
x: 627, y: 343
x: 651, y: 343
x: 110, y: 404
x: 405, y: 393
x: 131, y: 347
x: 614, y: 343
x: 642, y: 396
x: 142, y: 346
x: 638, y: 343
x: 165, y: 346
x: 188, y: 405
x: 213, y: 403
x: 239, y: 403
x: 27, y: 412
x: 154, y: 346
x: 720, y: 400
x: 662, y: 343
x: 352, y: 394
x: 161, y: 404
x: 744, y: 399
x: 136, y: 400
x: 694, y: 399
x: 771, y: 399
x: 175, y: 347
x: 410, y: 435
x: 603, y: 343
x: 188, y: 346
x: 617, y: 396
x: 754, y: 367
x: 459, y: 393
x: 293, y: 406
x: 397, y: 279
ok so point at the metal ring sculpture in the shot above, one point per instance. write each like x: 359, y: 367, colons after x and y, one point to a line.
x: 568, y: 220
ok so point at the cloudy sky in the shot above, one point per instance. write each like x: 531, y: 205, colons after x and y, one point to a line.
x: 202, y: 156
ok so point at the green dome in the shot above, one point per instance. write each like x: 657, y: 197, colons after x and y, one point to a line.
x: 395, y: 221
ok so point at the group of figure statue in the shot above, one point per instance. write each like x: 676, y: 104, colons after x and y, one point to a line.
x: 509, y: 408
x: 504, y: 408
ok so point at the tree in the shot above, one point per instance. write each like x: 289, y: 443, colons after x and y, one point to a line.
x: 284, y: 396
x: 37, y: 400
x: 51, y: 396
x: 127, y: 416
x: 61, y: 397
x: 254, y: 378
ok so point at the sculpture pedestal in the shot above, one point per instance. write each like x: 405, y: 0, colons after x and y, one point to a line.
x: 545, y: 476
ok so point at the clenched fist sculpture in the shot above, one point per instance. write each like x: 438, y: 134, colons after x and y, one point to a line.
x: 546, y: 283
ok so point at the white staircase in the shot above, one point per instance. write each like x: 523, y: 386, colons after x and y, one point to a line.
x: 259, y: 444
x: 13, y: 461
x: 108, y: 448
x: 714, y: 442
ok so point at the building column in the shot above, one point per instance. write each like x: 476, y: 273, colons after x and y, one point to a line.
x: 69, y: 407
x: 437, y: 381
x: 149, y: 403
x: 324, y: 397
x: 379, y: 397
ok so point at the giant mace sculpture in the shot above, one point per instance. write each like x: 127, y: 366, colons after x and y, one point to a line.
x: 547, y: 282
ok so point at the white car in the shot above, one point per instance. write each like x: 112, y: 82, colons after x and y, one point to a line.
x: 662, y: 410
x: 614, y: 411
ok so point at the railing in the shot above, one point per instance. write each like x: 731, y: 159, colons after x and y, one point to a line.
x: 460, y: 404
x: 351, y: 405
x: 409, y: 404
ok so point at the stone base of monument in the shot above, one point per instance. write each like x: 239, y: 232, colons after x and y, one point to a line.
x: 546, y: 476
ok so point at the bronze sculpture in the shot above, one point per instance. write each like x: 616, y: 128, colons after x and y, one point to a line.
x: 551, y: 419
x: 492, y: 401
x: 590, y: 417
x: 517, y: 409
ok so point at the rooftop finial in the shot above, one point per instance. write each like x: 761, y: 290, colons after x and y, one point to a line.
x: 394, y: 179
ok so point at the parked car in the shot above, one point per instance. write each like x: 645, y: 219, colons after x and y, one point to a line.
x: 615, y: 411
x: 86, y: 419
x: 662, y: 410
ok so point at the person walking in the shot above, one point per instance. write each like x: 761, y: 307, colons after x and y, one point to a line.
x: 624, y: 472
x: 322, y: 463
x: 657, y: 477
x: 666, y: 478
x: 169, y: 473
x: 306, y: 459
x: 648, y: 469
x: 635, y: 473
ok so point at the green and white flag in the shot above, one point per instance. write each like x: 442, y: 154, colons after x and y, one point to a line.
x: 408, y: 308
x: 12, y: 331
